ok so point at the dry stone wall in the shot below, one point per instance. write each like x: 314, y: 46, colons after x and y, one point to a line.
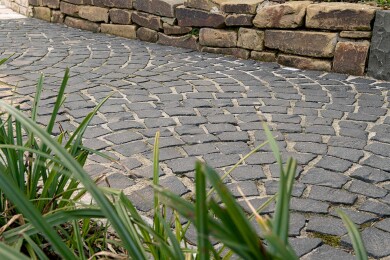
x: 320, y: 36
x: 20, y: 6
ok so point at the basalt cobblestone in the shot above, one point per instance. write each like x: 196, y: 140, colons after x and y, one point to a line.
x: 210, y: 108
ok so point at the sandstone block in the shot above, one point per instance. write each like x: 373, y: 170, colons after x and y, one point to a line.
x: 355, y: 34
x: 206, y: 5
x: 175, y: 30
x: 186, y: 41
x: 33, y: 2
x: 55, y: 4
x: 147, y: 20
x: 69, y: 9
x: 43, y: 13
x: 239, y: 6
x: 304, y: 62
x: 287, y: 15
x: 340, y: 16
x: 239, y: 20
x: 351, y: 57
x: 120, y: 16
x: 159, y: 7
x: 379, y: 61
x: 236, y: 52
x: 81, y: 24
x: 169, y: 20
x: 198, y: 18
x: 250, y: 39
x: 217, y: 38
x: 94, y: 14
x: 316, y: 44
x: 77, y: 2
x: 128, y: 4
x: 57, y: 17
x: 148, y: 35
x: 265, y: 56
x: 126, y: 31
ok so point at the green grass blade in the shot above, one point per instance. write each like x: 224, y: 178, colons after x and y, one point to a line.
x: 9, y: 253
x: 78, y: 240
x: 35, y: 247
x: 201, y: 213
x: 37, y: 98
x: 356, y: 239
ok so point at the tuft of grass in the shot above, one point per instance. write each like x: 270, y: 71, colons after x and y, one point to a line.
x: 334, y: 241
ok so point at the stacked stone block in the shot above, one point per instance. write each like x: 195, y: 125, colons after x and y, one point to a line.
x: 320, y: 36
x: 19, y: 6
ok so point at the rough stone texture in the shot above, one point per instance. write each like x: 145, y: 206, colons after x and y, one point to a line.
x: 304, y: 62
x: 147, y: 20
x: 350, y: 57
x: 175, y: 30
x: 186, y: 41
x: 82, y: 24
x: 55, y: 4
x: 265, y: 56
x: 239, y: 7
x: 198, y: 18
x: 217, y: 38
x: 356, y: 34
x: 329, y: 253
x: 148, y: 35
x: 127, y: 31
x: 239, y: 20
x: 340, y: 16
x: 57, y: 16
x: 316, y: 44
x: 127, y: 4
x: 35, y: 2
x: 287, y: 15
x: 236, y: 52
x: 120, y: 16
x: 159, y: 7
x: 94, y: 14
x: 379, y: 59
x: 250, y: 39
x: 69, y: 9
x: 43, y: 13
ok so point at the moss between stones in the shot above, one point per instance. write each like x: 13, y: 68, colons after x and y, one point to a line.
x: 334, y: 241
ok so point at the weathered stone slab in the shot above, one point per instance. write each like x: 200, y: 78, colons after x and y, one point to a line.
x: 239, y: 20
x: 265, y: 56
x: 287, y: 15
x: 304, y: 62
x: 120, y: 16
x: 128, y: 4
x: 355, y: 34
x: 175, y: 30
x: 186, y: 41
x: 379, y: 60
x: 148, y: 35
x: 217, y: 38
x: 159, y: 7
x: 197, y: 18
x: 82, y: 24
x: 236, y: 52
x: 78, y: 2
x: 250, y: 39
x: 55, y: 4
x: 127, y: 31
x: 69, y: 9
x: 351, y: 57
x: 147, y: 20
x: 57, y: 16
x: 43, y: 13
x: 316, y: 44
x: 239, y: 6
x: 206, y: 5
x: 35, y: 2
x: 169, y: 20
x: 94, y: 14
x: 340, y: 16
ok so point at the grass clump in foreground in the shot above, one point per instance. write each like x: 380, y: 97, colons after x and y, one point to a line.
x: 42, y: 181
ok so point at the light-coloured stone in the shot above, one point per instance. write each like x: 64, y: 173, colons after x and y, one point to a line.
x: 147, y: 20
x: 147, y: 35
x: 340, y: 16
x: 69, y: 9
x: 120, y: 16
x: 236, y: 52
x: 81, y: 24
x: 315, y: 44
x: 239, y: 6
x: 250, y: 39
x: 351, y: 57
x: 265, y: 56
x: 287, y: 15
x: 94, y: 14
x: 304, y: 62
x: 127, y: 4
x: 206, y: 5
x: 217, y: 38
x: 43, y: 13
x: 55, y: 4
x: 356, y: 34
x: 126, y: 31
x: 186, y: 41
x: 175, y: 30
x: 239, y: 20
x: 57, y: 16
x: 158, y: 7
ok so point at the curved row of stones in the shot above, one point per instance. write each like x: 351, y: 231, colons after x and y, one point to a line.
x: 210, y: 108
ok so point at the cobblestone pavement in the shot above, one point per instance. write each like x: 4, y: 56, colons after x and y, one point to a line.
x: 209, y: 107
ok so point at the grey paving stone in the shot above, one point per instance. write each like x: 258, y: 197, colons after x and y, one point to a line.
x: 182, y: 165
x: 302, y: 137
x: 323, y: 177
x: 261, y: 158
x: 180, y: 112
x: 123, y: 137
x: 219, y: 160
x: 326, y: 225
x: 248, y: 188
x: 142, y: 199
x: 198, y: 139
x: 329, y: 253
x: 258, y: 203
x: 132, y: 148
x: 219, y: 119
x: 233, y: 136
x: 307, y: 147
x: 125, y: 125
x: 192, y: 120
x: 233, y: 147
x: 334, y: 164
x: 119, y: 181
x: 164, y: 142
x: 296, y: 224
x: 302, y: 246
x: 352, y: 155
x: 294, y: 119
x: 289, y: 128
x: 379, y: 149
x: 378, y: 208
x: 332, y: 195
x: 220, y: 128
x: 356, y: 216
x: 247, y: 172
x: 200, y: 149
x: 158, y: 122
x: 272, y: 187
x: 308, y: 205
x: 174, y: 185
x: 374, y: 239
x: 369, y: 174
x: 95, y: 144
x: 189, y: 130
x: 130, y: 163
x: 381, y: 163
x: 383, y: 225
x: 347, y: 142
x: 367, y: 189
x: 355, y: 133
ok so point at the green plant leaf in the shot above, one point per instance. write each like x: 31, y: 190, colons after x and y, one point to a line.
x: 9, y: 253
